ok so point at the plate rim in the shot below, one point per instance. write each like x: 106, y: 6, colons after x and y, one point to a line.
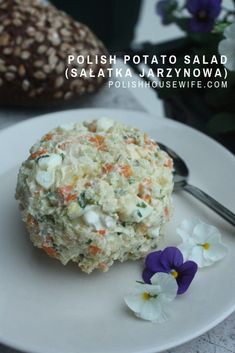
x: 149, y: 350
x: 165, y: 121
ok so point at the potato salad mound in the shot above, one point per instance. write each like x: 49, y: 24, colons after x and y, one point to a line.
x: 95, y: 192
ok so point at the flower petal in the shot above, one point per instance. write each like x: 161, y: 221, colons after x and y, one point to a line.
x: 229, y: 32
x: 151, y: 310
x: 186, y: 249
x: 185, y: 230
x: 167, y: 284
x: 171, y: 258
x: 213, y: 8
x: 193, y: 6
x: 200, y: 233
x: 227, y: 48
x: 153, y: 263
x: 146, y: 275
x: 201, y: 26
x: 216, y: 251
x: 134, y: 302
x: 142, y: 287
x: 186, y: 274
x: 197, y: 256
x: 161, y: 8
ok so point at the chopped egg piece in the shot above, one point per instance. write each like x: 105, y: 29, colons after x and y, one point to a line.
x: 92, y: 217
x: 104, y: 124
x: 66, y: 127
x: 133, y: 151
x: 74, y: 210
x: 109, y: 222
x: 45, y: 178
x: 133, y: 208
x: 154, y: 232
x: 51, y: 161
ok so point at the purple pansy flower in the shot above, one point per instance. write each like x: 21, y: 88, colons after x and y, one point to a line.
x: 165, y: 8
x: 204, y: 14
x: 170, y: 260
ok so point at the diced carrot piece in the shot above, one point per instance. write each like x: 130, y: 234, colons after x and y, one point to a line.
x: 130, y: 140
x: 71, y: 197
x: 126, y: 171
x: 98, y: 139
x: 168, y: 163
x: 102, y: 231
x: 49, y: 250
x: 47, y: 137
x: 147, y: 198
x: 166, y: 211
x: 103, y: 266
x: 92, y: 139
x: 38, y: 153
x: 94, y: 250
x: 65, y: 192
x: 108, y: 168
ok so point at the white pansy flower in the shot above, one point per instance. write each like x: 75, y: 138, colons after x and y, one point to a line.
x: 227, y: 47
x: 150, y: 301
x: 201, y: 243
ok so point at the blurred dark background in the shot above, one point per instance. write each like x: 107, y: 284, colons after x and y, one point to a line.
x: 113, y: 21
x: 139, y: 27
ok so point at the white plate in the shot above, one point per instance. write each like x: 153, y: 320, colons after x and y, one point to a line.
x: 48, y: 308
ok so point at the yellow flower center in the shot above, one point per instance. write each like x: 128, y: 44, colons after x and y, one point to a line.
x: 174, y: 273
x: 202, y: 15
x: 206, y: 246
x: 146, y: 296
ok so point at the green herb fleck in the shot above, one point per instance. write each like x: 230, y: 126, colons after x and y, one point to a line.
x: 82, y: 200
x: 139, y: 214
x: 53, y: 198
x: 131, y: 180
x: 141, y: 205
x: 43, y: 156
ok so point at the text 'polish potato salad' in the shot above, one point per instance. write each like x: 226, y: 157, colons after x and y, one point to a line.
x: 95, y: 192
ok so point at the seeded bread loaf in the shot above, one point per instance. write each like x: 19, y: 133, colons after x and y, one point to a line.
x: 35, y: 40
